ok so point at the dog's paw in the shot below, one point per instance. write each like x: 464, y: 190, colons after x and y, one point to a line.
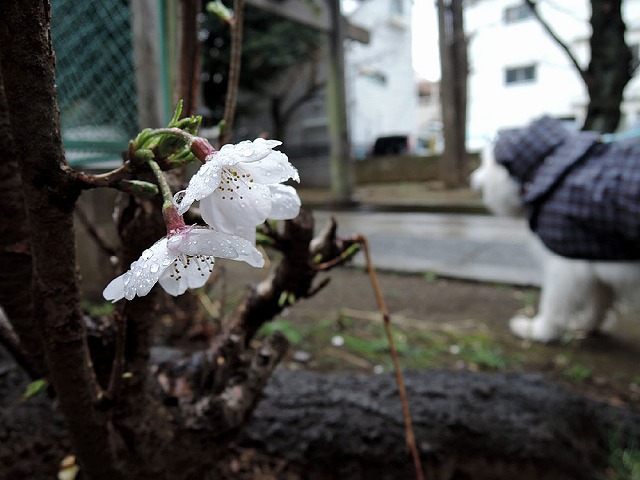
x: 536, y: 329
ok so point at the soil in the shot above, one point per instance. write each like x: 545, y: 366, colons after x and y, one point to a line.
x: 447, y: 323
x: 438, y: 323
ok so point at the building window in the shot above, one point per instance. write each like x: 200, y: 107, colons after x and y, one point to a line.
x: 517, y: 75
x: 397, y: 7
x: 517, y: 13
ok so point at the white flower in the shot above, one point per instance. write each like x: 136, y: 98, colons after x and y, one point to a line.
x: 183, y: 259
x: 239, y: 187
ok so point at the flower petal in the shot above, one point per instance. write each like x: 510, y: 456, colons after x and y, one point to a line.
x: 208, y: 242
x: 142, y: 275
x: 194, y: 273
x: 203, y: 183
x: 245, y: 151
x: 285, y: 202
x: 115, y: 290
x: 274, y: 168
x: 243, y: 209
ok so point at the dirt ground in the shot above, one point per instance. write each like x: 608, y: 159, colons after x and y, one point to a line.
x: 438, y: 323
x: 446, y: 323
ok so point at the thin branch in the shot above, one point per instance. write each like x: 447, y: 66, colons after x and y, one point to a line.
x: 94, y: 232
x: 189, y: 56
x: 533, y: 7
x: 411, y: 440
x: 117, y: 368
x: 9, y: 340
x: 234, y: 72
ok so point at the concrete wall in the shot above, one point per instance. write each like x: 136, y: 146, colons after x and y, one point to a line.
x: 402, y: 168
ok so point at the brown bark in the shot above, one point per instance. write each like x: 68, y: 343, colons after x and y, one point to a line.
x: 468, y: 426
x: 15, y: 249
x: 29, y: 75
x: 453, y: 91
x: 610, y: 67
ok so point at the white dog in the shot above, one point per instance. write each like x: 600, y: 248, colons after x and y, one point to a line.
x: 578, y: 296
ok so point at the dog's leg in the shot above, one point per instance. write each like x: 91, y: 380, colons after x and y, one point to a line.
x: 572, y: 299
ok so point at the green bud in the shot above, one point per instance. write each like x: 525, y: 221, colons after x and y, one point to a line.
x: 219, y: 9
x: 176, y: 114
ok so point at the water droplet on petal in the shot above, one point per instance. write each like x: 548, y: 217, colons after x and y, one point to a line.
x: 126, y: 278
x: 154, y: 267
x: 147, y: 254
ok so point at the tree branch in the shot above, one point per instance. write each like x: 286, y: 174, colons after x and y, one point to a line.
x: 547, y: 27
x: 234, y: 72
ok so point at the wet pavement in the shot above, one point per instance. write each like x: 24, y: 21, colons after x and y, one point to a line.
x: 473, y: 247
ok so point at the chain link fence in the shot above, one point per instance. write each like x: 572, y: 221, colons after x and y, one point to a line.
x: 95, y: 78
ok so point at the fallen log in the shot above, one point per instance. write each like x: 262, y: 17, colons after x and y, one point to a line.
x: 467, y: 425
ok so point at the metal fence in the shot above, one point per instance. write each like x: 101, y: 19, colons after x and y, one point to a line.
x: 95, y: 77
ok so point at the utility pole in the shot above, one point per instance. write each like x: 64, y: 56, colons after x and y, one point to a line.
x: 340, y: 151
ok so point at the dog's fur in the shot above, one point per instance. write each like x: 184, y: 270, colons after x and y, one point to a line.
x: 578, y: 297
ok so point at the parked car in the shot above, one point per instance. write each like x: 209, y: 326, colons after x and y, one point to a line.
x: 392, y: 145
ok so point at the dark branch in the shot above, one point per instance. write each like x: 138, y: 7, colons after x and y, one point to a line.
x: 582, y: 72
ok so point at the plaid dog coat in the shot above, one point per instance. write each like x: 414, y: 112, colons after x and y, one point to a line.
x: 582, y: 195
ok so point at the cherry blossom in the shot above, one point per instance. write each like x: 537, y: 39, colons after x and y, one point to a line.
x: 183, y: 259
x: 240, y: 186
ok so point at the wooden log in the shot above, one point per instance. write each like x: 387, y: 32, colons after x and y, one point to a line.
x: 468, y: 426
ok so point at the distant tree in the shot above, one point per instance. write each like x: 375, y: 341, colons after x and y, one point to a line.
x: 453, y: 90
x: 611, y: 65
x: 277, y: 54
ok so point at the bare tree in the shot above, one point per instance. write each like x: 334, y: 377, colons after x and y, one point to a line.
x: 610, y: 67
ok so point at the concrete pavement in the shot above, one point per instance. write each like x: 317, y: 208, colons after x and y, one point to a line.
x: 474, y: 247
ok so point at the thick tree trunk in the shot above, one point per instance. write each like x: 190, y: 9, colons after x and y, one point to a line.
x: 610, y: 68
x: 467, y: 425
x: 28, y: 66
x: 453, y: 91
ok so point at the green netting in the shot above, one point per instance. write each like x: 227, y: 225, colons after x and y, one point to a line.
x: 95, y: 77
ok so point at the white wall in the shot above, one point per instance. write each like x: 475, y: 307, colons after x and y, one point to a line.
x: 557, y: 89
x: 380, y: 108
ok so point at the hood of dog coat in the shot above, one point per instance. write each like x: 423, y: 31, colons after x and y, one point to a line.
x: 521, y: 151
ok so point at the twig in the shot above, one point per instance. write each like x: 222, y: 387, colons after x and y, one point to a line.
x: 547, y: 27
x: 411, y: 440
x: 117, y: 368
x: 234, y: 72
x: 9, y: 340
x: 95, y: 233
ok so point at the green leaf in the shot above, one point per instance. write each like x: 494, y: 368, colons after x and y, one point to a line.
x: 282, y: 301
x: 34, y: 388
x: 176, y: 114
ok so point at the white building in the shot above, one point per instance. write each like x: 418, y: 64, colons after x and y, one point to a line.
x: 381, y: 89
x: 517, y: 72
